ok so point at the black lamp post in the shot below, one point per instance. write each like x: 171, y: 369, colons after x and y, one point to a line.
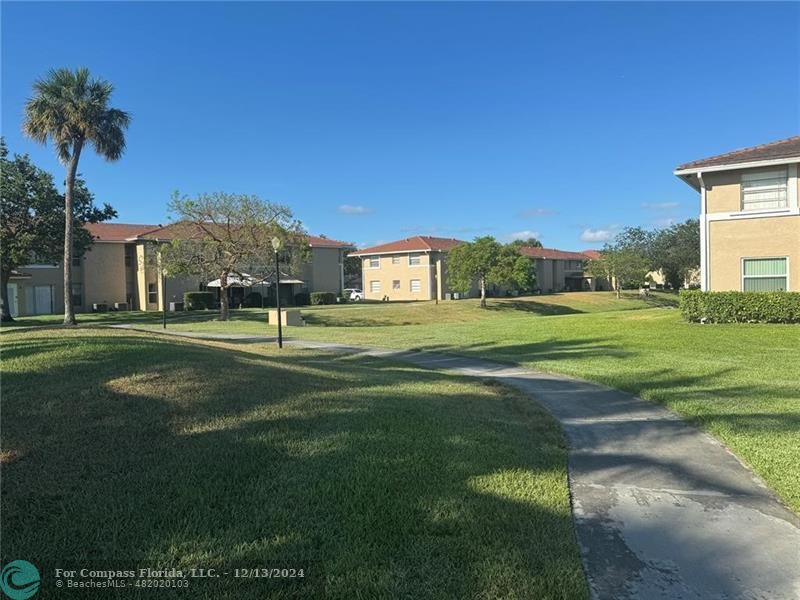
x: 163, y: 287
x: 276, y: 245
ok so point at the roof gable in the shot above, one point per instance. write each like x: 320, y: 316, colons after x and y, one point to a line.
x: 117, y: 232
x: 417, y: 243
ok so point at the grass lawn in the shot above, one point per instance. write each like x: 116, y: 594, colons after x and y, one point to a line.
x: 739, y: 382
x: 381, y: 480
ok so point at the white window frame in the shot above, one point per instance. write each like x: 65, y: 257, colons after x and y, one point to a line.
x: 377, y: 259
x: 395, y: 260
x: 375, y: 286
x: 418, y: 256
x: 411, y: 286
x: 781, y: 173
x: 785, y: 258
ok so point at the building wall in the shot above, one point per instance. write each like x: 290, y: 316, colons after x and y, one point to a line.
x: 324, y: 273
x: 732, y: 240
x: 51, y: 277
x: 733, y: 234
x: 388, y: 273
x: 724, y: 191
x: 103, y: 275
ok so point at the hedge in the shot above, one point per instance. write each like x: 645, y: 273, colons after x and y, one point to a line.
x: 323, y: 298
x: 198, y: 300
x: 301, y: 299
x: 740, y: 307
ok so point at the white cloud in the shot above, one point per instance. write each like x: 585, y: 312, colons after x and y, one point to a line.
x: 660, y: 205
x: 523, y: 235
x: 597, y: 235
x: 532, y: 213
x: 353, y: 209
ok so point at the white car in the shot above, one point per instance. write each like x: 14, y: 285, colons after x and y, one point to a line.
x: 353, y: 294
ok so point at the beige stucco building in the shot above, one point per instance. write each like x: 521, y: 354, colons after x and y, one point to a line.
x: 121, y: 271
x: 411, y: 269
x: 749, y: 217
x: 416, y: 269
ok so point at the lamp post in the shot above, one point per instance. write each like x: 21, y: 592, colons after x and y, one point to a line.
x: 276, y: 245
x: 163, y: 286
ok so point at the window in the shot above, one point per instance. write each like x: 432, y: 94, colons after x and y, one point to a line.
x: 76, y: 261
x: 416, y: 286
x: 765, y: 190
x: 374, y: 286
x: 396, y: 284
x: 395, y: 260
x: 77, y: 294
x: 374, y: 262
x: 152, y: 293
x: 414, y: 259
x: 764, y: 275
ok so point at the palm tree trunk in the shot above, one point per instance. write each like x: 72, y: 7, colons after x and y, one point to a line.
x: 72, y: 169
x: 483, y: 292
x: 4, y: 277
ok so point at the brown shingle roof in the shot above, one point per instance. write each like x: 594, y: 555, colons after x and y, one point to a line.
x: 116, y: 232
x: 322, y: 242
x: 417, y: 243
x: 551, y: 253
x: 787, y: 148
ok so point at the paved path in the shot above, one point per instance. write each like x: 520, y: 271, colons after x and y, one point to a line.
x: 662, y: 510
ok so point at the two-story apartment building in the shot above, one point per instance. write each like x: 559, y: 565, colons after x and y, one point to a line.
x: 749, y: 217
x: 121, y: 270
x: 416, y: 269
x: 558, y: 270
x: 411, y: 269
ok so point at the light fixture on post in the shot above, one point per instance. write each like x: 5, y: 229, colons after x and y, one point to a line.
x: 276, y: 245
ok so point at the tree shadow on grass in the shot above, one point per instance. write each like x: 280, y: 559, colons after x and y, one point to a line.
x: 151, y: 451
x: 531, y: 306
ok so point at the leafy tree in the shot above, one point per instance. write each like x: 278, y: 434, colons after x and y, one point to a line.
x: 622, y: 266
x: 223, y: 235
x: 488, y: 261
x: 530, y: 242
x: 71, y: 109
x: 352, y: 270
x: 676, y: 252
x: 32, y: 217
x: 639, y: 241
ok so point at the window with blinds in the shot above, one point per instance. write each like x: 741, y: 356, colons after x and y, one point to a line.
x: 416, y: 285
x: 374, y: 286
x: 765, y: 190
x: 764, y: 274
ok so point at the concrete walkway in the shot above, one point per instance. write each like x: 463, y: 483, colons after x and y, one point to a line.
x: 662, y: 510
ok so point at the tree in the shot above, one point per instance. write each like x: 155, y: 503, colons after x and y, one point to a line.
x: 230, y: 235
x: 71, y: 109
x: 530, y: 242
x: 622, y: 266
x: 32, y: 217
x: 637, y: 241
x: 488, y: 261
x: 676, y: 252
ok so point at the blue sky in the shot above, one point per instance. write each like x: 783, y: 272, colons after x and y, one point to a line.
x: 380, y: 121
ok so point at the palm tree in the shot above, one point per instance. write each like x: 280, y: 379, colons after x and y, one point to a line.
x: 71, y: 109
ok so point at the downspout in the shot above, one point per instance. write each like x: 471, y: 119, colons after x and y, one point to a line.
x: 704, y: 244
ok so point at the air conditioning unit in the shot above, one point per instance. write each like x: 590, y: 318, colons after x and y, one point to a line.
x: 121, y: 306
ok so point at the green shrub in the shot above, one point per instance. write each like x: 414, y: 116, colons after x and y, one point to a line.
x: 322, y: 298
x: 740, y: 307
x: 253, y: 300
x: 301, y: 299
x: 198, y: 300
